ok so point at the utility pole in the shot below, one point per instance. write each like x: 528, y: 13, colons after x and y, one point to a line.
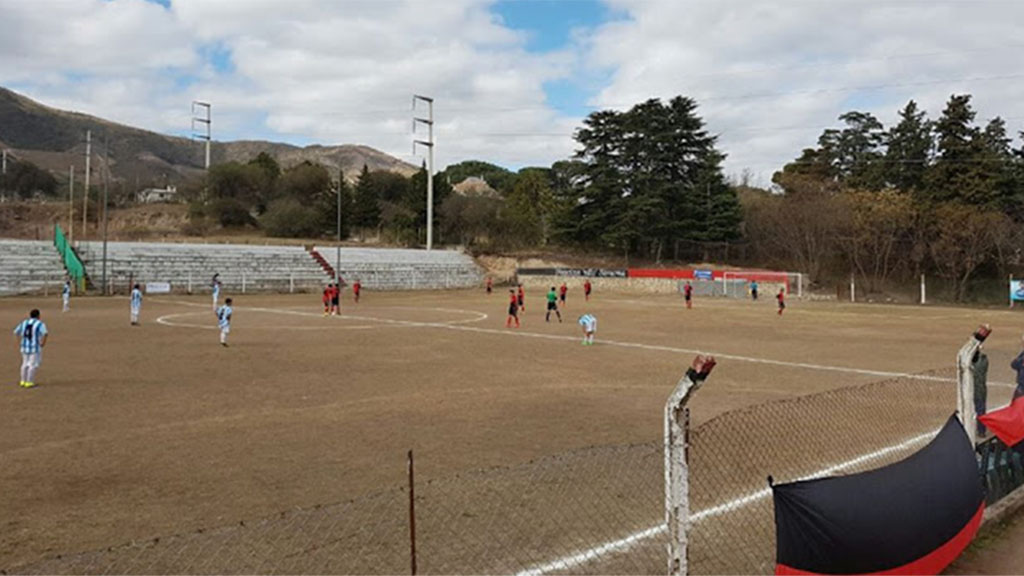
x: 85, y: 197
x: 429, y: 143
x: 3, y: 172
x: 337, y: 255
x: 204, y: 118
x: 106, y: 183
x: 71, y: 204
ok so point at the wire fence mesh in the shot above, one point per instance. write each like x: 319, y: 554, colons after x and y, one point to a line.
x: 593, y: 511
x: 837, y: 432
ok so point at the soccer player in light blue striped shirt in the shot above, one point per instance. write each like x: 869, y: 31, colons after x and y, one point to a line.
x: 216, y: 290
x: 589, y: 324
x: 65, y: 296
x: 224, y: 321
x: 136, y: 304
x: 32, y: 335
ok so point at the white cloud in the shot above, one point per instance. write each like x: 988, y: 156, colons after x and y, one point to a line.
x: 305, y: 70
x: 792, y: 65
x: 769, y: 75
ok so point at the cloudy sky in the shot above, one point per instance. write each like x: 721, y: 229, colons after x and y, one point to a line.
x: 512, y: 79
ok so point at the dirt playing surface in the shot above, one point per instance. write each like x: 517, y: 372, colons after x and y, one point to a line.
x: 140, y: 432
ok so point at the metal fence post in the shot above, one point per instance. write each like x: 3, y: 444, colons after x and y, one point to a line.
x: 677, y: 480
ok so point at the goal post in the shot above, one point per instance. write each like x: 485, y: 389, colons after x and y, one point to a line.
x: 736, y: 283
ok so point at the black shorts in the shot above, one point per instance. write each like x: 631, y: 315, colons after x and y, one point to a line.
x: 520, y: 301
x: 687, y: 297
x: 552, y: 305
x: 561, y: 297
x: 334, y: 301
x: 782, y: 305
x: 513, y: 310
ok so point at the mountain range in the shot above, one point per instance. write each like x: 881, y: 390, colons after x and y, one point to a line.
x: 55, y: 140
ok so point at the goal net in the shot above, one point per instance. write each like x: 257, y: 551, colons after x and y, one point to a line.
x: 740, y: 283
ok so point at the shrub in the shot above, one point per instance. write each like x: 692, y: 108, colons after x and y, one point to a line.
x: 287, y: 218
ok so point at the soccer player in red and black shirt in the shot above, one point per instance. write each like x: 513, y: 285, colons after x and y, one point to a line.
x: 561, y: 294
x: 327, y: 298
x: 490, y: 284
x: 336, y: 299
x: 356, y: 288
x: 513, y: 309
x: 688, y: 295
x: 521, y: 298
x: 781, y: 297
x: 586, y: 290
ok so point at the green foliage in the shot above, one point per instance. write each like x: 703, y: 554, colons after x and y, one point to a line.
x: 365, y: 207
x: 246, y: 184
x: 289, y: 218
x: 644, y: 180
x: 909, y: 149
x: 24, y: 179
x: 305, y: 183
x: 471, y: 220
x: 229, y: 213
x: 497, y: 177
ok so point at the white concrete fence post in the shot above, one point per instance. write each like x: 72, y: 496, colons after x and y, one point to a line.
x: 243, y: 282
x: 677, y: 472
x: 965, y: 382
x: 291, y: 282
x: 189, y: 281
x: 924, y: 298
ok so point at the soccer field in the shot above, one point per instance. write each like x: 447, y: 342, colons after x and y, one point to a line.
x: 150, y: 431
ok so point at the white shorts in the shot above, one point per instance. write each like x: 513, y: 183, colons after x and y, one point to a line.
x: 135, y: 310
x: 225, y: 329
x: 590, y: 327
x: 32, y: 360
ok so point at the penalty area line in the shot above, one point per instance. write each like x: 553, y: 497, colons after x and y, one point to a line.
x: 628, y: 541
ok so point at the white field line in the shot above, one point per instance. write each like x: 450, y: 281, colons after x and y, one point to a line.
x: 653, y: 347
x: 628, y: 541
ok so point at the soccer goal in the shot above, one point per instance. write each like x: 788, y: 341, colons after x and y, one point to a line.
x: 737, y: 283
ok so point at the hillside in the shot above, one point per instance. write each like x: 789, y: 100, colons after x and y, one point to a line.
x: 55, y: 139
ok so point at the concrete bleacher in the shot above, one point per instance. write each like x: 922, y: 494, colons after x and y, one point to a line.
x: 29, y: 267
x: 190, y: 267
x: 398, y: 269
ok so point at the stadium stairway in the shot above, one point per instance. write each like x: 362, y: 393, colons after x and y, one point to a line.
x: 29, y: 267
x: 322, y: 261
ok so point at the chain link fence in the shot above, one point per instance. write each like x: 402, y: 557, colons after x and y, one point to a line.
x: 593, y: 511
x: 833, y: 433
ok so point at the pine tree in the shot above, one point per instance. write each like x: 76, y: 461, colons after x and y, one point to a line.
x: 909, y: 148
x: 958, y: 173
x: 365, y: 208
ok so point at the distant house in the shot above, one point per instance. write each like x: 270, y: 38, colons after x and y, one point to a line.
x: 475, y: 186
x: 156, y: 195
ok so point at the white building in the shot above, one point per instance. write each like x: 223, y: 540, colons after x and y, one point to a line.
x: 155, y: 195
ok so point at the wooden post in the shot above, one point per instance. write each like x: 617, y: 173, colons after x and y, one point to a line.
x: 412, y: 517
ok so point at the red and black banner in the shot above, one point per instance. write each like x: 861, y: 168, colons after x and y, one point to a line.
x: 912, y: 517
x: 1007, y: 423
